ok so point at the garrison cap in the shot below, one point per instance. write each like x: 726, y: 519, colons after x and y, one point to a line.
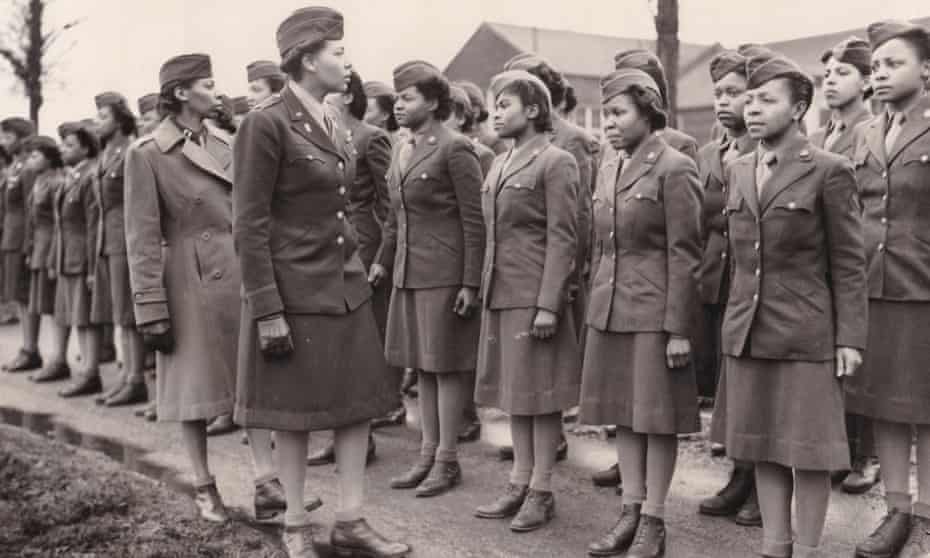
x: 853, y: 51
x: 413, y: 72
x: 475, y: 95
x: 377, y: 89
x: 753, y: 50
x: 307, y: 26
x: 108, y: 98
x: 66, y: 128
x: 148, y: 102
x: 507, y: 78
x: 262, y: 69
x: 647, y: 61
x: 727, y: 62
x: 185, y: 67
x: 526, y: 61
x: 18, y: 125
x: 44, y: 142
x: 240, y: 105
x: 459, y: 96
x: 881, y: 32
x: 762, y: 69
x: 619, y: 81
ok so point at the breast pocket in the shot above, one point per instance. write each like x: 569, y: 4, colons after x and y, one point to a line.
x: 794, y: 218
x: 524, y: 182
x: 640, y: 208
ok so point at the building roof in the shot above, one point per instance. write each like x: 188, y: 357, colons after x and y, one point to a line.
x: 807, y: 51
x: 583, y: 54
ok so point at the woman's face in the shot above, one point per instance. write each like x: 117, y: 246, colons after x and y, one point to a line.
x: 72, y: 152
x: 374, y: 115
x: 259, y: 90
x: 37, y: 162
x: 897, y: 71
x: 202, y: 97
x: 412, y: 109
x: 330, y: 66
x: 624, y: 124
x: 770, y: 110
x: 8, y: 140
x: 511, y: 116
x: 107, y: 124
x: 148, y: 122
x: 729, y: 100
x: 842, y: 83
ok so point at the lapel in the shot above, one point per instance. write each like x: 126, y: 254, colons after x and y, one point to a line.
x: 305, y: 125
x: 642, y: 161
x: 794, y: 163
x: 875, y: 138
x: 607, y: 177
x: 427, y: 144
x: 519, y: 160
x: 716, y: 160
x: 114, y: 155
x: 847, y: 139
x: 167, y: 135
x: 916, y: 125
x: 744, y: 174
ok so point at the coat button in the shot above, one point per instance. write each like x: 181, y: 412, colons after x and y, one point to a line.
x: 724, y: 212
x: 757, y: 245
x: 755, y: 297
x: 723, y: 255
x: 424, y: 176
x: 217, y: 274
x: 342, y: 190
x: 881, y: 246
x: 884, y: 220
x: 340, y: 240
x: 758, y: 271
x: 792, y: 205
x: 340, y: 165
x: 205, y: 235
x: 611, y: 281
x: 639, y: 196
x: 885, y: 197
x: 884, y: 174
x: 726, y: 234
x: 611, y: 234
x: 340, y: 215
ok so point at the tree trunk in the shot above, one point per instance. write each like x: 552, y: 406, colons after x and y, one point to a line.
x: 667, y: 47
x: 34, y: 53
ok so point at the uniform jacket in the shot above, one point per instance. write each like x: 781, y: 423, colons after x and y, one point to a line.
x: 17, y: 187
x: 368, y: 197
x: 845, y: 145
x: 435, y: 234
x: 76, y: 221
x: 530, y: 206
x: 492, y: 141
x: 895, y: 191
x: 486, y: 157
x: 648, y: 224
x: 111, y: 229
x: 584, y: 148
x: 297, y: 250
x: 41, y: 208
x: 798, y: 265
x: 714, y: 268
x: 676, y: 139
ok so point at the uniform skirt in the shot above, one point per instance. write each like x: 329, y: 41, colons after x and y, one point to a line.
x: 41, y: 293
x: 626, y: 381
x: 894, y: 382
x: 120, y: 290
x: 335, y: 377
x: 15, y: 277
x: 424, y: 333
x: 101, y: 305
x: 785, y: 412
x: 523, y: 375
x: 72, y: 301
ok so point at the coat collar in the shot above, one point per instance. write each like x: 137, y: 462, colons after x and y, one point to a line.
x: 114, y: 153
x: 305, y: 124
x: 427, y: 142
x: 794, y: 161
x: 847, y: 137
x: 744, y: 145
x: 916, y: 124
x: 519, y: 159
x: 168, y: 135
x: 641, y: 162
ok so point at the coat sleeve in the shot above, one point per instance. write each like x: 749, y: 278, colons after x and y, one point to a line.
x: 258, y: 151
x: 585, y: 157
x: 465, y: 170
x: 388, y: 248
x: 847, y: 256
x: 51, y: 258
x: 91, y: 209
x: 143, y: 239
x: 682, y: 201
x: 561, y: 188
x: 378, y: 158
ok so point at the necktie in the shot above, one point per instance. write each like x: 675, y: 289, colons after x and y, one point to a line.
x: 330, y: 127
x: 764, y: 171
x: 730, y: 154
x: 406, y: 151
x: 834, y: 132
x: 894, y: 130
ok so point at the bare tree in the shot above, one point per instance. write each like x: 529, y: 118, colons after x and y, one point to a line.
x: 667, y: 47
x: 25, y: 45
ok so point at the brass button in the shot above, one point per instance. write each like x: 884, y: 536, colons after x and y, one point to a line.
x: 885, y: 197
x: 424, y: 176
x: 342, y: 190
x: 757, y: 245
x: 340, y: 240
x: 884, y: 174
x: 205, y: 235
x: 611, y: 234
x: 884, y: 220
x: 881, y: 246
x: 792, y: 205
x: 755, y: 297
x: 340, y: 215
x: 723, y: 255
x: 639, y: 196
x: 726, y: 234
x: 340, y: 165
x: 217, y: 274
x: 758, y: 271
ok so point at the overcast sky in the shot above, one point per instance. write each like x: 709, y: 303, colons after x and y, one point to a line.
x: 120, y: 44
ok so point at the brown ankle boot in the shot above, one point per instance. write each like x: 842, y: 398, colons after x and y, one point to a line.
x: 650, y: 538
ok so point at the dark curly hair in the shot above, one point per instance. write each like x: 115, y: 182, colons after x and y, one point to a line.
x: 51, y: 153
x: 571, y: 100
x: 275, y: 83
x: 802, y: 90
x: 124, y: 117
x: 5, y: 158
x: 291, y: 64
x: 553, y: 80
x: 386, y: 105
x: 88, y: 141
x: 436, y: 88
x: 530, y: 94
x: 167, y: 102
x: 468, y: 116
x: 359, y: 103
x: 649, y: 104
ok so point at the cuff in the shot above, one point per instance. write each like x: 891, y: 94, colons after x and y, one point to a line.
x: 264, y: 301
x: 151, y: 306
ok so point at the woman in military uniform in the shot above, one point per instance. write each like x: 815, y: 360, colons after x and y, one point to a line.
x: 14, y: 133
x: 480, y: 131
x: 309, y: 354
x: 892, y: 159
x: 434, y: 241
x: 637, y: 370
x: 265, y: 79
x: 380, y: 109
x: 148, y: 113
x: 795, y: 318
x: 528, y: 352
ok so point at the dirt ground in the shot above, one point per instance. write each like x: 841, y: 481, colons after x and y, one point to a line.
x: 56, y: 500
